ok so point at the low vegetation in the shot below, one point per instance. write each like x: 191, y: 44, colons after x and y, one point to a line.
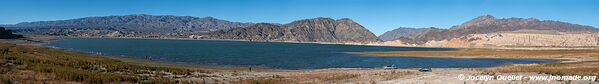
x: 32, y: 64
x: 329, y: 76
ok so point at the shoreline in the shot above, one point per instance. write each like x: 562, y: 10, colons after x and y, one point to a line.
x: 54, y: 38
x: 236, y: 74
x: 42, y: 42
x: 265, y: 67
x: 260, y: 67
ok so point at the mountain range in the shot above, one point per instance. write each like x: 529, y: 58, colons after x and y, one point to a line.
x: 138, y: 23
x: 482, y: 25
x: 401, y: 32
x: 319, y: 29
x: 307, y: 30
x: 148, y: 26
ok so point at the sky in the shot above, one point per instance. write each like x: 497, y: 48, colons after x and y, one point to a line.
x: 378, y: 16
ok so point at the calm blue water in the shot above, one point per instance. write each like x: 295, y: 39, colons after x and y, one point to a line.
x: 270, y: 54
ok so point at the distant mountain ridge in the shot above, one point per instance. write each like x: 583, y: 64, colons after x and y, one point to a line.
x: 139, y: 23
x: 306, y: 30
x: 166, y: 26
x: 396, y: 34
x: 490, y: 24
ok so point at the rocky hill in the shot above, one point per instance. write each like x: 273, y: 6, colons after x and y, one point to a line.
x: 260, y: 31
x: 398, y: 33
x: 306, y: 30
x: 7, y: 34
x: 487, y: 31
x: 167, y: 26
x: 135, y: 23
x: 489, y: 24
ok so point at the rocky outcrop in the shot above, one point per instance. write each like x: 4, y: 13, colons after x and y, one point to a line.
x: 7, y: 34
x: 307, y: 30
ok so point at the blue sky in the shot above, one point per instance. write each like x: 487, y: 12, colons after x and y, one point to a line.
x: 376, y: 15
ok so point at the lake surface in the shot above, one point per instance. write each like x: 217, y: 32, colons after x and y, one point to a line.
x: 270, y: 54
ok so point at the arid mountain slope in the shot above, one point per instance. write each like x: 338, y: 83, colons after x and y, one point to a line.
x: 133, y: 24
x: 140, y: 22
x: 306, y: 30
x: 472, y: 30
x: 489, y: 24
x: 148, y: 26
x: 398, y: 33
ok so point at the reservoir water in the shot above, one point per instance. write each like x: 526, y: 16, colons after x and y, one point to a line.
x: 270, y: 54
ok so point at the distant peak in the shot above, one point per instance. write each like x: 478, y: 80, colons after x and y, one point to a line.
x: 139, y: 15
x: 315, y: 19
x: 264, y: 25
x: 485, y: 17
x: 209, y: 17
x: 477, y: 20
x: 345, y: 19
x: 433, y: 28
x: 322, y: 18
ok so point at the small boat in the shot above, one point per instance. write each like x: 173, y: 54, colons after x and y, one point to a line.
x: 390, y: 67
